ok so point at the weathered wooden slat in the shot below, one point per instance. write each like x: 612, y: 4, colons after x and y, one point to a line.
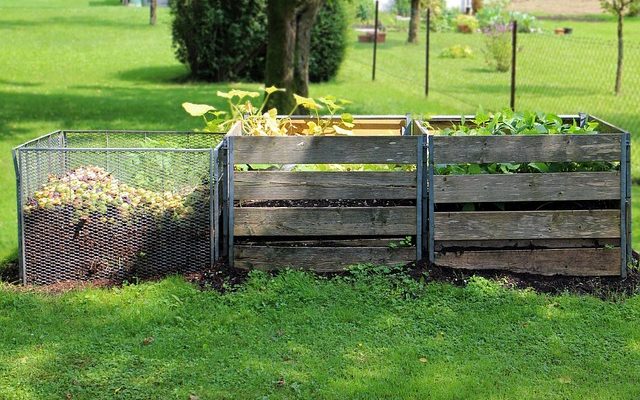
x: 526, y: 148
x: 328, y: 242
x: 527, y: 187
x: 268, y: 185
x: 505, y: 244
x: 324, y: 221
x: 574, y: 224
x: 319, y: 259
x: 391, y: 126
x: 325, y: 149
x: 579, y: 262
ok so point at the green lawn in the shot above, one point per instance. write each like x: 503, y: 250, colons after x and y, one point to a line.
x: 296, y: 336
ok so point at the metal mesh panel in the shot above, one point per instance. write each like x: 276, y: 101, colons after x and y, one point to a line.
x: 92, y: 212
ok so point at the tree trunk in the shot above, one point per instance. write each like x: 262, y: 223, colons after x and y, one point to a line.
x: 414, y: 21
x: 476, y: 5
x: 305, y: 19
x: 620, y: 55
x: 153, y: 11
x: 288, y: 44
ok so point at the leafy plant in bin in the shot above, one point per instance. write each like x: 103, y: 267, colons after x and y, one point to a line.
x: 256, y: 121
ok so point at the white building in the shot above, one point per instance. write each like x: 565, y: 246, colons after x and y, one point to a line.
x: 462, y: 5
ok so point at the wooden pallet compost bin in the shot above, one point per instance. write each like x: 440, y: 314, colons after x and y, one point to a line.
x: 570, y: 223
x: 325, y: 219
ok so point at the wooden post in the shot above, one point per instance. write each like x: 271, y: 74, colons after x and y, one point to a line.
x: 375, y: 44
x: 153, y: 12
x: 428, y: 39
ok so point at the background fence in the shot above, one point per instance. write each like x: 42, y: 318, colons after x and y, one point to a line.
x: 563, y: 74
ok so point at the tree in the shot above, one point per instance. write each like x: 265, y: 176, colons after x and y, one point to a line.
x: 476, y: 5
x: 414, y: 21
x: 619, y: 8
x: 288, y: 42
x: 153, y: 11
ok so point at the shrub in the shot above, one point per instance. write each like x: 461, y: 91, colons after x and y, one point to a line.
x: 498, y: 47
x: 466, y: 23
x: 328, y: 41
x: 227, y: 40
x: 221, y: 40
x: 457, y: 51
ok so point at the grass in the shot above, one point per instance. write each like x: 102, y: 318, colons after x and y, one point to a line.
x: 296, y: 336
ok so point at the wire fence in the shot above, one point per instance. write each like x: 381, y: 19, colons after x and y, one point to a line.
x: 563, y: 74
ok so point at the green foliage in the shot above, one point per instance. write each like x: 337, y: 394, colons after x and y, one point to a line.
x: 508, y: 122
x: 227, y: 40
x: 257, y: 121
x: 328, y: 41
x: 466, y: 23
x: 364, y: 10
x: 496, y: 13
x: 498, y: 47
x: 457, y: 51
x: 221, y: 40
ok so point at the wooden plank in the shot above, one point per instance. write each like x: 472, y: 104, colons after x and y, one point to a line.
x: 527, y: 187
x: 328, y: 242
x: 268, y: 185
x: 579, y: 262
x: 324, y: 221
x: 325, y: 149
x: 526, y: 148
x: 506, y: 244
x: 573, y: 224
x: 319, y: 259
x: 360, y: 124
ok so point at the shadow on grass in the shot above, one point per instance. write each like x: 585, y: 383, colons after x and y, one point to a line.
x: 296, y: 336
x: 157, y: 74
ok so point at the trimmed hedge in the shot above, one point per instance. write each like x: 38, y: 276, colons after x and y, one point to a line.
x: 227, y: 40
x: 328, y: 41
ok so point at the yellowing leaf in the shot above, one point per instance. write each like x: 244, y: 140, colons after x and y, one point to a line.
x: 307, y: 102
x: 342, y: 131
x: 272, y: 89
x: 197, y: 110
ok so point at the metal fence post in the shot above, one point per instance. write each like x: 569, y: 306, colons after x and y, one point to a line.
x: 428, y: 45
x: 17, y: 165
x: 625, y: 203
x: 213, y: 203
x: 225, y: 213
x: 431, y: 199
x: 375, y: 44
x: 230, y: 195
x: 419, y: 189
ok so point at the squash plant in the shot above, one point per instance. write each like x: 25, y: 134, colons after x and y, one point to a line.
x: 257, y: 121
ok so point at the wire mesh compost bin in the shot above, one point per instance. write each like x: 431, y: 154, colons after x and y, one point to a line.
x: 118, y: 205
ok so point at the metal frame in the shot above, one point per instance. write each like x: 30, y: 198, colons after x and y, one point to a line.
x: 625, y: 203
x: 230, y: 196
x: 43, y: 145
x: 419, y: 198
x: 18, y: 167
x: 431, y: 198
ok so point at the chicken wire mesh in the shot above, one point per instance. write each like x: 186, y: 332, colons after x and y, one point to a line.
x: 117, y: 205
